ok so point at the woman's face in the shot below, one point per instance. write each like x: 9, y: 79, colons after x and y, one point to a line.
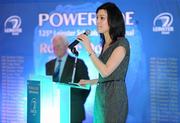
x: 102, y: 21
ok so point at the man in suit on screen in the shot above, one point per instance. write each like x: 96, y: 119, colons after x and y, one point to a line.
x: 61, y: 68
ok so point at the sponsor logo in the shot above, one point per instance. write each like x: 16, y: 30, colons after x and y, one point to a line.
x: 163, y: 23
x: 76, y: 19
x: 12, y: 25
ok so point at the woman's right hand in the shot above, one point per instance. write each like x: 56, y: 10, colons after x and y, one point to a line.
x: 86, y: 42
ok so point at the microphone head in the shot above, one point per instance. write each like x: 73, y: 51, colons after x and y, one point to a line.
x: 87, y: 32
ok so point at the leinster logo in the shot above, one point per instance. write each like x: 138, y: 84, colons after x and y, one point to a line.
x: 163, y: 23
x: 33, y: 106
x: 12, y: 25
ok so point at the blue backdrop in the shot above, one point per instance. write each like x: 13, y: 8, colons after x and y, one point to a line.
x: 152, y: 28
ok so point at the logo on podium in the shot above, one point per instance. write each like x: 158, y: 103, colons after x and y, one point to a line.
x: 33, y: 106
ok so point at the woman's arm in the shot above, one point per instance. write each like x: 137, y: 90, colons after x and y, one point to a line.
x: 114, y: 60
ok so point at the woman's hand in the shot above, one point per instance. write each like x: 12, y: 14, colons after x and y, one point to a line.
x: 86, y: 42
x: 83, y: 82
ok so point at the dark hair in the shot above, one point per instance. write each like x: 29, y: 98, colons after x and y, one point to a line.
x: 115, y: 22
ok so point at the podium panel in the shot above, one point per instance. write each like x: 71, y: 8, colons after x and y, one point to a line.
x: 33, y: 94
x: 51, y: 100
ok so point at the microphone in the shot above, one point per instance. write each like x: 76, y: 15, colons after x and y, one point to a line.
x: 76, y: 41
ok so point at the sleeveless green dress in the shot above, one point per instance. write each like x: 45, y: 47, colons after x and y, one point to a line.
x: 111, y: 102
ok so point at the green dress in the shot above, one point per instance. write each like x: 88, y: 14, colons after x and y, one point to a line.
x: 111, y: 102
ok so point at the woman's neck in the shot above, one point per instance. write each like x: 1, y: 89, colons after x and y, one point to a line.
x: 108, y: 39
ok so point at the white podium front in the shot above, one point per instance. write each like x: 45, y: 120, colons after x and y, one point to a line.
x: 47, y: 101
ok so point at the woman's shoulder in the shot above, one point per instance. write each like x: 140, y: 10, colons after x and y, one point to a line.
x: 123, y: 41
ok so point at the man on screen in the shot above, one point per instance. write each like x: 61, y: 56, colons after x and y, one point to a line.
x: 61, y: 68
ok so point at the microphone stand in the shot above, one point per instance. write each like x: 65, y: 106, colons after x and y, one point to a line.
x: 76, y: 53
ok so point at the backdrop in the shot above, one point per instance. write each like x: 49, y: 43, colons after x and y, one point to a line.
x: 152, y: 28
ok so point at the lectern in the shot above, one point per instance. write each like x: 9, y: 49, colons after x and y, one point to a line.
x: 47, y: 101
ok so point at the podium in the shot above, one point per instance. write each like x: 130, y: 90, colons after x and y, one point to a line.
x: 47, y: 101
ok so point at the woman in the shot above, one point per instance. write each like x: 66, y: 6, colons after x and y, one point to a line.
x: 111, y: 103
